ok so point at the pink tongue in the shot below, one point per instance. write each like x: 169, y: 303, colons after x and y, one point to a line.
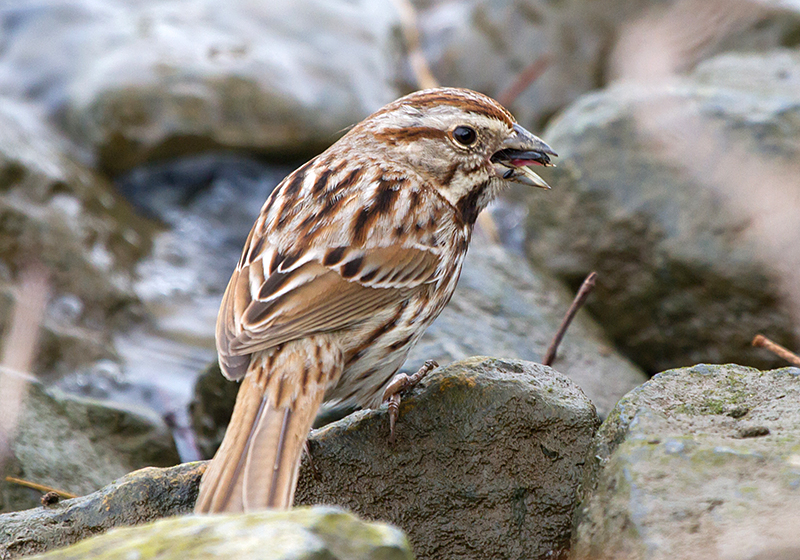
x: 523, y: 162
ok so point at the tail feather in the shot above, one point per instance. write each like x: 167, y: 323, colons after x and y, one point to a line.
x: 257, y: 465
x: 273, y: 459
x: 221, y: 487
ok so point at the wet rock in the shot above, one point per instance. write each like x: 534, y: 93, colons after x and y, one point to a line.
x: 71, y: 220
x: 79, y: 445
x: 681, y: 473
x: 299, y: 534
x: 150, y: 80
x: 682, y: 195
x: 136, y: 498
x: 488, y: 461
x: 488, y: 44
x: 208, y: 203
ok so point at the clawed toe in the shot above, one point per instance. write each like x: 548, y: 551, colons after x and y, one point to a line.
x: 399, y: 384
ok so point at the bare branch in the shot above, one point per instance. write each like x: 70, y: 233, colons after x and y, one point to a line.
x: 525, y: 78
x: 583, y: 293
x: 40, y: 487
x: 762, y: 341
x: 419, y: 64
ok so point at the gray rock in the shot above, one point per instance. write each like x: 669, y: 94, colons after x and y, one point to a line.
x: 487, y: 464
x: 136, y: 81
x: 136, y: 498
x: 299, y: 534
x: 487, y: 44
x: 57, y: 212
x: 699, y: 462
x: 79, y: 445
x: 683, y: 196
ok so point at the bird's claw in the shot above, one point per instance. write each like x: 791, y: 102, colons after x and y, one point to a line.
x: 399, y: 384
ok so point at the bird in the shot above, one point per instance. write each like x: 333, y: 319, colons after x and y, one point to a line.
x: 352, y: 257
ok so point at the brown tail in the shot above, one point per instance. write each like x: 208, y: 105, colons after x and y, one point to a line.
x: 256, y: 466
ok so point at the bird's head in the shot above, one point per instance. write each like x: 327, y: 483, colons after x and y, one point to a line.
x: 462, y: 142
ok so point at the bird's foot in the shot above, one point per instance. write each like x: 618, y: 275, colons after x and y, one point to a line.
x: 399, y: 384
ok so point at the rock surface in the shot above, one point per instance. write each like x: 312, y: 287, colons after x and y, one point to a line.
x: 700, y: 462
x: 143, y: 81
x: 139, y: 497
x: 683, y: 196
x: 504, y: 306
x: 136, y: 81
x: 79, y: 445
x: 487, y: 464
x: 299, y: 534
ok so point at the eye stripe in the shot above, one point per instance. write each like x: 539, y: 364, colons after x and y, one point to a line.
x: 408, y: 134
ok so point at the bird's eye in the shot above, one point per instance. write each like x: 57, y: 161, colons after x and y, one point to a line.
x: 465, y: 135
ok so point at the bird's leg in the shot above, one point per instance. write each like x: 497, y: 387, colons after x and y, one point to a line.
x: 399, y: 384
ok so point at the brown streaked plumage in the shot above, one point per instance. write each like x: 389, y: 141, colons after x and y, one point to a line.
x: 352, y: 257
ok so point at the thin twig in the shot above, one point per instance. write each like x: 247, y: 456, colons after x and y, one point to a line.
x: 584, y: 291
x: 419, y: 64
x: 425, y: 80
x: 524, y: 79
x: 40, y: 487
x: 762, y: 341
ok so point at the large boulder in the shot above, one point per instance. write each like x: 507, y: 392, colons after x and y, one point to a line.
x: 79, y: 445
x: 132, y: 81
x: 683, y: 196
x: 701, y: 463
x: 488, y: 461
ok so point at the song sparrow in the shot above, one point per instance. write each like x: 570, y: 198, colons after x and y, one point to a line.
x: 353, y: 256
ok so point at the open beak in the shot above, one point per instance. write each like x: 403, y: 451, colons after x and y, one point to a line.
x: 520, y: 151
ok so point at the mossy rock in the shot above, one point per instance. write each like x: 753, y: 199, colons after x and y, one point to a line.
x: 700, y: 462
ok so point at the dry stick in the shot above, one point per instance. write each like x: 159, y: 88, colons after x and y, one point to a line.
x: 584, y: 291
x: 40, y: 487
x: 762, y: 341
x: 425, y: 79
x: 19, y: 345
x: 419, y: 64
x: 525, y: 78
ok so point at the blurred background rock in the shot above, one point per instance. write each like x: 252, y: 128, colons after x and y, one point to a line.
x: 138, y: 141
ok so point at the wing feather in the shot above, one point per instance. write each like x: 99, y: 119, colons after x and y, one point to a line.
x: 326, y: 303
x: 280, y: 294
